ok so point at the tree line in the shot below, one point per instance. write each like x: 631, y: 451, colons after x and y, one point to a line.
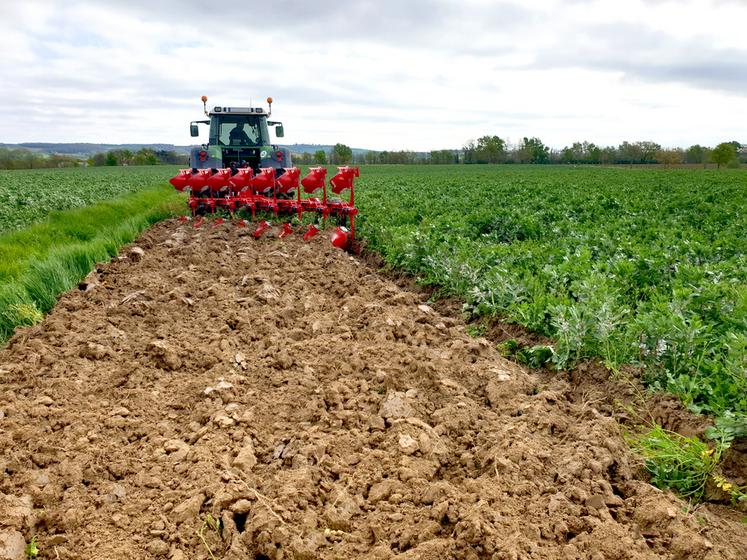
x: 493, y: 149
x: 487, y: 149
x: 144, y: 156
x: 21, y: 158
x: 11, y: 158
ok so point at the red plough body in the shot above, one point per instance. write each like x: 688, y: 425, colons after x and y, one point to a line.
x: 276, y: 191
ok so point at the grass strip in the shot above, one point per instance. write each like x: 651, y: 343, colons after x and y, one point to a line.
x: 39, y: 263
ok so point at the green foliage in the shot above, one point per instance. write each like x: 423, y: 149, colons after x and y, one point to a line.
x: 488, y: 149
x: 686, y: 465
x: 144, y: 156
x: 724, y: 153
x: 535, y: 356
x: 697, y: 154
x: 532, y: 150
x: 644, y: 267
x: 676, y: 462
x: 320, y: 157
x: 581, y: 152
x: 341, y: 154
x: 727, y: 428
x: 439, y: 157
x: 32, y: 549
x: 29, y: 196
x: 477, y: 330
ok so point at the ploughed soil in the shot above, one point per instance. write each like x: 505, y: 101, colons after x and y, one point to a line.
x: 317, y: 410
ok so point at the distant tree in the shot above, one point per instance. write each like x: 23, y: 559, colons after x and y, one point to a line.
x: 608, y: 155
x: 98, y: 160
x: 442, y: 156
x: 111, y: 159
x: 741, y: 153
x: 320, y: 157
x: 126, y: 157
x: 169, y: 157
x: 723, y: 154
x: 696, y: 154
x: 341, y: 154
x: 372, y: 157
x: 669, y: 157
x: 594, y: 153
x: 629, y: 153
x: 532, y: 150
x: 580, y: 152
x: 567, y: 155
x: 648, y: 151
x: 27, y: 159
x: 490, y: 149
x: 58, y: 160
x: 145, y: 156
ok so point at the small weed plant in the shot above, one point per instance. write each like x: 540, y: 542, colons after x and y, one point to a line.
x: 32, y: 549
x: 210, y: 523
x: 686, y: 465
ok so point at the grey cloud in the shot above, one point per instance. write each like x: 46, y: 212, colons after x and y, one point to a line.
x: 640, y: 52
x: 437, y: 25
x: 728, y: 75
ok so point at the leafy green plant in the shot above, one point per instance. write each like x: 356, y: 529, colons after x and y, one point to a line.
x: 32, y: 549
x: 536, y: 356
x: 677, y: 462
x: 727, y: 428
x: 477, y: 330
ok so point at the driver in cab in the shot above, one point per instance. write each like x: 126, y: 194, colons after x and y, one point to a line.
x: 238, y: 136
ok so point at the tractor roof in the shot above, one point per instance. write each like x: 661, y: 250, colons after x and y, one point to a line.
x: 238, y: 111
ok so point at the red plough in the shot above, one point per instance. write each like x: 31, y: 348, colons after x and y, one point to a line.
x: 233, y: 190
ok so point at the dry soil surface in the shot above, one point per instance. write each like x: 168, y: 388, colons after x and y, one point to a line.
x: 316, y: 410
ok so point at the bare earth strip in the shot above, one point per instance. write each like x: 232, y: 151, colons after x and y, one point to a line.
x: 319, y: 411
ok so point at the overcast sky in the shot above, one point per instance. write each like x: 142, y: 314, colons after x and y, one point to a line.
x: 405, y: 74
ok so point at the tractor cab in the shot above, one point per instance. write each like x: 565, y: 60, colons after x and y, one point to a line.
x: 239, y: 137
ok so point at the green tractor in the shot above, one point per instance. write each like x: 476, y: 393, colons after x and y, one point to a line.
x: 239, y: 138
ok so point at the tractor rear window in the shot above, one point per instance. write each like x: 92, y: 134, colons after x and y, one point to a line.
x: 236, y: 130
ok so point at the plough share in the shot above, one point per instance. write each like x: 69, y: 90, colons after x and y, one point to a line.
x: 233, y: 191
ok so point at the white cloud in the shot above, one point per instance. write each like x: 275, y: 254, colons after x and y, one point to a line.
x: 384, y: 75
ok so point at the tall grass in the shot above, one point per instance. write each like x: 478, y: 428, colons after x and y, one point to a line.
x: 39, y: 263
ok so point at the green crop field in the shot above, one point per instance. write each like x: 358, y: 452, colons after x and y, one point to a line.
x: 30, y: 195
x: 635, y: 266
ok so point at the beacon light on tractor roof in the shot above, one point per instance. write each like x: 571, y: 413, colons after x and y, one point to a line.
x: 250, y: 175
